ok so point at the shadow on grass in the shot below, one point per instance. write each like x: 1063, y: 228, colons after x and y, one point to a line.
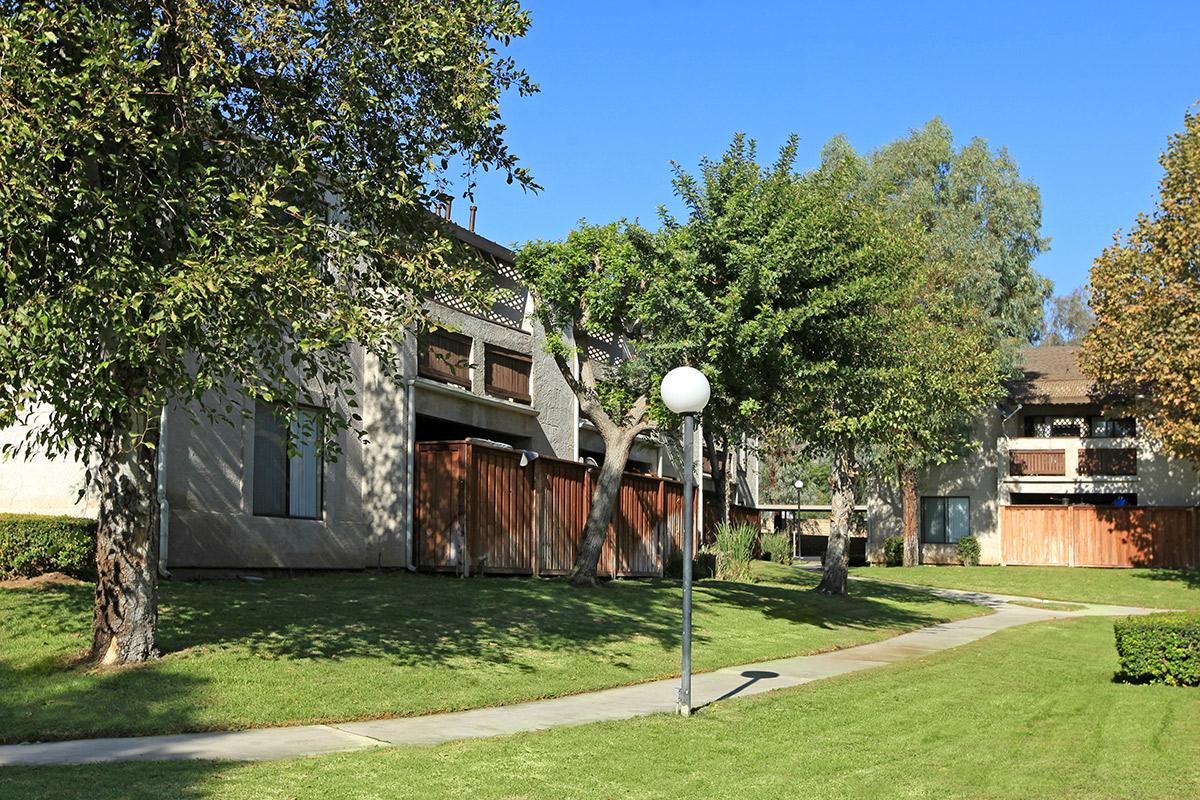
x: 1189, y: 578
x: 396, y: 620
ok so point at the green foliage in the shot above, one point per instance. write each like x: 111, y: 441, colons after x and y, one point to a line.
x: 733, y: 547
x: 776, y: 545
x: 1160, y: 648
x: 1145, y: 290
x: 1070, y: 319
x: 704, y: 565
x: 32, y: 545
x: 610, y: 287
x: 893, y: 551
x: 968, y: 551
x: 218, y: 200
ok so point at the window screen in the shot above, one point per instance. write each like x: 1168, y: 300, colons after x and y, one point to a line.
x: 945, y: 520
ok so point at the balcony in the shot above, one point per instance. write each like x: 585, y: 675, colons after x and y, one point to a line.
x: 1037, y: 462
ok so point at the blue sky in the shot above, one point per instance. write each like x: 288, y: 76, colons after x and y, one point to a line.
x: 1084, y: 96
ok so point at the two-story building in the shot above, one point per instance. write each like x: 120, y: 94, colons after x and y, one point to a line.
x: 1050, y: 443
x: 237, y: 500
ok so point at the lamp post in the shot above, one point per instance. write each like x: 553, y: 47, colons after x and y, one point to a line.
x: 799, y: 484
x: 685, y: 391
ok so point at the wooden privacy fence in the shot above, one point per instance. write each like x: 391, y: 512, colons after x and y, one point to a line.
x: 1100, y: 536
x: 477, y: 509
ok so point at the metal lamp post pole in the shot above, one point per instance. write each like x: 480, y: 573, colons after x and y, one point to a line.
x: 799, y: 533
x: 685, y: 686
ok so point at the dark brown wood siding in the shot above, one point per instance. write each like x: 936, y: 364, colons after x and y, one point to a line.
x: 445, y: 356
x: 506, y: 373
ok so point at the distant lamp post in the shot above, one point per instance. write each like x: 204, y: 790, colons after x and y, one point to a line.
x: 685, y: 391
x: 799, y: 548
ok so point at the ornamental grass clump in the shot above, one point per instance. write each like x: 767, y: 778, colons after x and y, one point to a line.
x: 734, y: 547
x: 776, y: 546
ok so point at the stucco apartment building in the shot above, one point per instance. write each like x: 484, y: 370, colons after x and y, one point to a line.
x: 237, y: 501
x: 1048, y: 444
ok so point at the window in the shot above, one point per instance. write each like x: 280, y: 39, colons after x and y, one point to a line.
x: 287, y: 484
x: 1106, y: 428
x: 945, y: 520
x: 506, y: 373
x: 1045, y: 426
x: 445, y: 356
x: 1108, y: 461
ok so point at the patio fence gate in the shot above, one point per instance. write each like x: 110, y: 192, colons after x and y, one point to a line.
x: 477, y: 509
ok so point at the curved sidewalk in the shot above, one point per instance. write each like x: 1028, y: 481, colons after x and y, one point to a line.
x: 624, y: 702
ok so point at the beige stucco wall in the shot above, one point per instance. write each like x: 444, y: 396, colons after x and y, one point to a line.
x: 983, y: 476
x: 41, y: 485
x: 974, y: 476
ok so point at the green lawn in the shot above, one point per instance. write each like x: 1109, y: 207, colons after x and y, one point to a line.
x: 343, y: 647
x: 1151, y: 588
x: 1031, y: 712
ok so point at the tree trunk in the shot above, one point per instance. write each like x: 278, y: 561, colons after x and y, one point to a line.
x: 125, y: 616
x: 841, y: 483
x: 908, y: 512
x: 604, y: 499
x: 719, y: 469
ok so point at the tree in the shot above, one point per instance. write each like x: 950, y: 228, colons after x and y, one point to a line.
x: 606, y: 296
x: 849, y: 276
x: 1070, y: 320
x: 734, y: 251
x: 1144, y: 349
x: 205, y: 204
x: 979, y: 224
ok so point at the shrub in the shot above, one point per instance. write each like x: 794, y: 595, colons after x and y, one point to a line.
x: 703, y: 565
x: 893, y: 551
x: 32, y: 545
x: 734, y: 549
x: 1160, y: 648
x: 968, y: 551
x: 776, y: 546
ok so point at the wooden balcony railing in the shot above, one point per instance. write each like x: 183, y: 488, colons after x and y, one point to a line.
x: 1108, y: 461
x: 1037, y: 462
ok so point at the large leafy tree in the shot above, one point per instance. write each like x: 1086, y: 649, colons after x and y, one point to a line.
x: 1144, y: 348
x: 978, y: 225
x: 205, y: 200
x: 735, y: 246
x: 607, y: 297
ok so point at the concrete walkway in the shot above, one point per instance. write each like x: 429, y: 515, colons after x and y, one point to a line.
x: 625, y: 702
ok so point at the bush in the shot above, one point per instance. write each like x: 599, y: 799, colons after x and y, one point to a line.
x: 31, y: 545
x: 1160, y: 648
x: 703, y: 565
x: 968, y: 551
x: 893, y: 551
x: 734, y: 549
x: 776, y: 546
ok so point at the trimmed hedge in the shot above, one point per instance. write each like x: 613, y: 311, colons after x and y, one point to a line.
x: 32, y: 545
x: 1160, y: 648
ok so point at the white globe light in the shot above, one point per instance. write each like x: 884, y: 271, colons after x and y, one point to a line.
x: 685, y: 390
x: 799, y: 484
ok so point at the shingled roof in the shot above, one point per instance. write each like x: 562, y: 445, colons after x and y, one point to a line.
x: 1051, y: 375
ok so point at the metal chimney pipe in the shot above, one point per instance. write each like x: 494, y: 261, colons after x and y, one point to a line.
x: 471, y: 219
x: 449, y: 202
